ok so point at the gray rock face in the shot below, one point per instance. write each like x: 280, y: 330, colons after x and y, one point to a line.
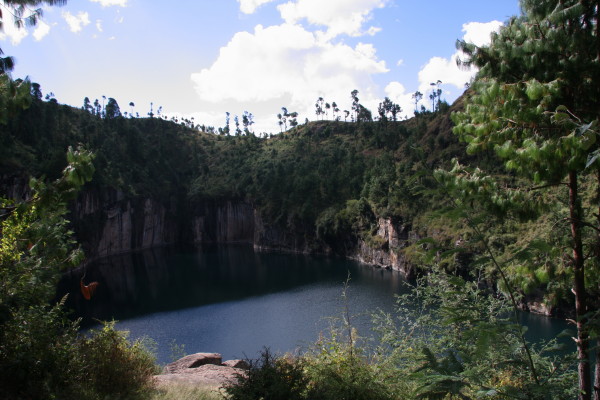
x: 225, y: 222
x: 108, y: 223
x: 206, y: 375
x: 193, y: 361
x: 391, y: 237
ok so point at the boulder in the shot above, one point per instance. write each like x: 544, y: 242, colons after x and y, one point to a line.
x: 208, y: 375
x: 193, y: 361
x: 242, y: 364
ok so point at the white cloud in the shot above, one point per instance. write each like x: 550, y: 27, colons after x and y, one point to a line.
x: 10, y: 31
x: 479, y: 33
x: 400, y: 62
x: 41, y: 30
x: 249, y: 6
x: 372, y: 31
x: 76, y: 22
x: 108, y: 3
x: 286, y: 65
x: 99, y: 25
x: 338, y: 16
x: 447, y: 70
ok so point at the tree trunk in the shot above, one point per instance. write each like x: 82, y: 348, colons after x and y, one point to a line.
x: 597, y: 255
x: 597, y: 373
x: 582, y: 340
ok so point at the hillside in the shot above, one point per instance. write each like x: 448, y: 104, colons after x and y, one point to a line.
x: 360, y: 190
x: 301, y: 180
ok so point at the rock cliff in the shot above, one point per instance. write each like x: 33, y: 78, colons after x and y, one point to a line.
x: 384, y: 250
x: 109, y: 222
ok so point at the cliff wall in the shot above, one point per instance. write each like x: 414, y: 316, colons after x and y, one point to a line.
x: 110, y: 223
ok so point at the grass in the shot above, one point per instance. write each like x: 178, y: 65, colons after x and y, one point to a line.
x: 183, y: 391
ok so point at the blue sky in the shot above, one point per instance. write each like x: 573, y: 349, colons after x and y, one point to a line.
x: 202, y: 58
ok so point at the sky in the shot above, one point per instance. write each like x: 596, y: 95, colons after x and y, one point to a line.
x: 203, y: 58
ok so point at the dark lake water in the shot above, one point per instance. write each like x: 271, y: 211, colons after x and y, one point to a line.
x: 233, y: 301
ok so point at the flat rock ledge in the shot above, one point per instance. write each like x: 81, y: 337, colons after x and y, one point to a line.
x: 201, y: 369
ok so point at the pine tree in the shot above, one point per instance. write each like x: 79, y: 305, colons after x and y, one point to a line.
x: 539, y: 82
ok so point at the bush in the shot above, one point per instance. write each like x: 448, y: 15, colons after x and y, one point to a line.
x: 270, y: 378
x: 38, y: 356
x: 42, y: 357
x: 115, y: 368
x: 337, y: 370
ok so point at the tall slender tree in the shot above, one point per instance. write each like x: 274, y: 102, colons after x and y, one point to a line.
x: 537, y: 90
x: 355, y: 103
x: 417, y: 96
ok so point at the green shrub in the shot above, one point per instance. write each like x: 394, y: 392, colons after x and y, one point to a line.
x: 270, y: 378
x: 116, y: 368
x: 337, y: 370
x: 38, y: 356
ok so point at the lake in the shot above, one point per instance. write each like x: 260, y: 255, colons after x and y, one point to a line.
x: 234, y: 301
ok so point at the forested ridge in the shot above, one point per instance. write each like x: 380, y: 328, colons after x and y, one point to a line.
x: 332, y: 179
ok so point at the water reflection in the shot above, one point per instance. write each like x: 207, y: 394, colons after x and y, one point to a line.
x: 167, y: 279
x: 231, y: 300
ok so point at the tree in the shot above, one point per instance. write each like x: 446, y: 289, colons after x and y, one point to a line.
x: 363, y: 114
x: 87, y: 105
x: 284, y: 117
x: 335, y: 111
x: 35, y: 245
x: 280, y: 122
x: 112, y: 109
x: 417, y: 96
x: 355, y: 103
x: 247, y: 121
x: 36, y: 91
x: 319, y: 107
x: 151, y: 112
x: 236, y: 120
x: 131, y: 104
x: 293, y: 119
x: 534, y: 102
x: 436, y: 93
x: 382, y: 110
x: 226, y: 129
x: 388, y: 110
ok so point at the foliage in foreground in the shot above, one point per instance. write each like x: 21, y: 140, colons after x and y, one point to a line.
x: 42, y: 355
x: 448, y: 339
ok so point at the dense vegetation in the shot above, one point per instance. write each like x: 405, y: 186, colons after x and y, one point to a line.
x: 514, y: 217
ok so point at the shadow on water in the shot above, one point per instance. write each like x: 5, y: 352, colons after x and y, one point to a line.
x: 167, y: 279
